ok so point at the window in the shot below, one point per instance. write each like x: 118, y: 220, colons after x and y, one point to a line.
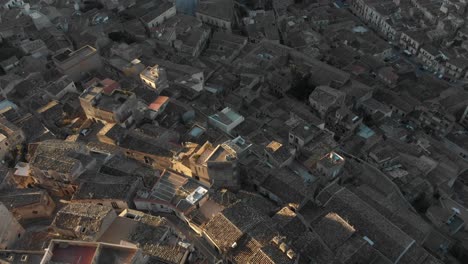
x: 83, y: 230
x: 35, y: 212
x: 148, y: 160
x: 114, y: 205
x: 24, y: 258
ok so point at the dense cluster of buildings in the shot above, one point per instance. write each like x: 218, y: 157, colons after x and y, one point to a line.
x: 222, y: 131
x: 434, y: 31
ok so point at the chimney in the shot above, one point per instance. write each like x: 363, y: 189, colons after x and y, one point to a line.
x: 283, y: 247
x: 276, y: 240
x: 291, y: 254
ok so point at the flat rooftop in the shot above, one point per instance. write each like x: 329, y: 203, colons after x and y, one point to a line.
x: 221, y: 9
x: 78, y: 252
x: 77, y: 55
x: 220, y: 154
x: 73, y: 254
x: 205, y: 155
x: 104, y: 101
x: 166, y: 188
x: 90, y: 93
x: 226, y: 116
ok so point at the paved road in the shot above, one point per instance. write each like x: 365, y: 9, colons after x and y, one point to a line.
x: 420, y: 72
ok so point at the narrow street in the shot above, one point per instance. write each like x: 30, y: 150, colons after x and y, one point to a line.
x: 407, y: 59
x: 199, y: 243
